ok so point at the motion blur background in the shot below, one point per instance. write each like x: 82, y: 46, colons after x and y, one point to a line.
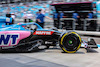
x: 18, y: 7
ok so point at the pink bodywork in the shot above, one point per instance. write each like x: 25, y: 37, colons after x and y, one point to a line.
x: 22, y: 35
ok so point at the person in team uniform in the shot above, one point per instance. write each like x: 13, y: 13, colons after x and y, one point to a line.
x: 90, y: 16
x: 92, y: 24
x: 76, y: 16
x: 37, y: 13
x: 8, y: 15
x: 40, y: 18
x: 13, y: 16
x: 62, y: 15
x: 55, y: 18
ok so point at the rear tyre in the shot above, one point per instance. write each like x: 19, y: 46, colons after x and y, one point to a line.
x: 70, y: 42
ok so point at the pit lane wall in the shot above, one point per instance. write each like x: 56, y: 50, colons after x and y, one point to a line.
x: 88, y: 33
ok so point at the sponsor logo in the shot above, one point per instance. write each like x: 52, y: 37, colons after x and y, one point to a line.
x: 43, y: 33
x: 7, y: 19
x: 6, y: 39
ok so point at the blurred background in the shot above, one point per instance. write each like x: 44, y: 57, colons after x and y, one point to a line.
x: 18, y: 7
x: 21, y: 7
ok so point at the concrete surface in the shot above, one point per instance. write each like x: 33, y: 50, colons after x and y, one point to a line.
x: 79, y: 59
x: 51, y: 58
x: 18, y: 60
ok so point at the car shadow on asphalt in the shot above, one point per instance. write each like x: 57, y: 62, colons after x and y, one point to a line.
x: 75, y: 53
x: 92, y: 51
x: 83, y: 52
x: 52, y: 50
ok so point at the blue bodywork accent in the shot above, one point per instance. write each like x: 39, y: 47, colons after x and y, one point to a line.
x: 19, y: 27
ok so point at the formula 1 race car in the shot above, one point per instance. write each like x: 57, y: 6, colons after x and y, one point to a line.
x: 26, y: 37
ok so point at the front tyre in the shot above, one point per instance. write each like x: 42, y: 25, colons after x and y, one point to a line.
x: 70, y: 42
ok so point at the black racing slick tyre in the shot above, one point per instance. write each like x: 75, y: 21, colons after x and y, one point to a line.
x: 70, y: 42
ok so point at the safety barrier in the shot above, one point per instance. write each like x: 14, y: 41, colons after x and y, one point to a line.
x: 87, y: 33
